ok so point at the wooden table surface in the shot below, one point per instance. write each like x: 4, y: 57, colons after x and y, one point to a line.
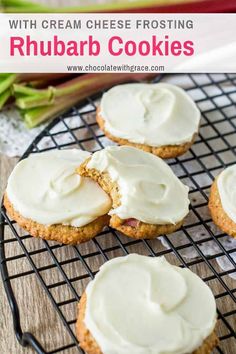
x: 37, y: 313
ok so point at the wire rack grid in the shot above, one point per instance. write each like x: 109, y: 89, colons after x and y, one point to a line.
x: 63, y: 271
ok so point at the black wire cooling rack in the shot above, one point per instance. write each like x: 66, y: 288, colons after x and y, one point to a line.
x: 63, y: 271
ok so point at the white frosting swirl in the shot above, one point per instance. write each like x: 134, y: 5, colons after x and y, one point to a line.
x: 45, y: 188
x: 226, y: 183
x: 149, y: 190
x: 152, y: 114
x: 143, y: 305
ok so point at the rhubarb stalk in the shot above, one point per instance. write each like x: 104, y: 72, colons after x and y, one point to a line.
x: 35, y: 80
x: 6, y: 80
x: 21, y: 6
x: 4, y: 96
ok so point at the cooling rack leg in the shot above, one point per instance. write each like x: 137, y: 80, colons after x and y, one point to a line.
x: 29, y: 339
x: 26, y: 338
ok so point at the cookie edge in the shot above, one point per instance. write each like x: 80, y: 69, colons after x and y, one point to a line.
x: 219, y: 216
x: 90, y: 346
x: 65, y: 234
x: 165, y: 151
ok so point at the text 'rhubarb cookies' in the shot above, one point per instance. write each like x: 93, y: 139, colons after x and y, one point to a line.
x: 222, y: 201
x: 147, y: 198
x: 139, y: 305
x: 50, y: 200
x: 158, y: 118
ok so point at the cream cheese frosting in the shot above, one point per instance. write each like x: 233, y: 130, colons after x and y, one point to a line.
x: 45, y: 188
x: 149, y: 190
x: 226, y: 183
x: 151, y: 114
x: 143, y: 305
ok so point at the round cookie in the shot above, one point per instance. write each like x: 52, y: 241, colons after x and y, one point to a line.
x: 47, y: 198
x: 158, y: 118
x: 148, y: 200
x: 204, y: 343
x: 222, y: 204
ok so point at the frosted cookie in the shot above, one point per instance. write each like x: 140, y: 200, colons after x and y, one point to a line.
x: 222, y: 201
x: 139, y: 305
x: 50, y: 200
x: 147, y: 198
x: 158, y: 118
